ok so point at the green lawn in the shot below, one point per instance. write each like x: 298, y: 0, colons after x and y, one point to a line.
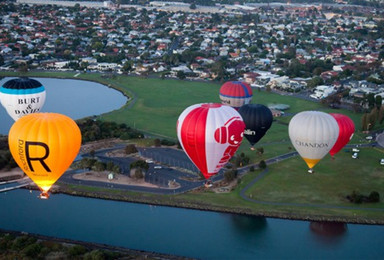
x: 160, y: 102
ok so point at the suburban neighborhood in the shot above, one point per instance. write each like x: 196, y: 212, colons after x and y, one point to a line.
x: 321, y: 48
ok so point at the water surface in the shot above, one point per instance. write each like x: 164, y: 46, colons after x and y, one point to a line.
x: 74, y: 98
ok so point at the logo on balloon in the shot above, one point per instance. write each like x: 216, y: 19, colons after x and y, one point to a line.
x: 313, y: 145
x: 249, y: 132
x: 229, y: 134
x: 26, y: 157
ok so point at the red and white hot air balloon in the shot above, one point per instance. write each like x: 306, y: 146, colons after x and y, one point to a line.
x: 346, y: 131
x: 210, y: 134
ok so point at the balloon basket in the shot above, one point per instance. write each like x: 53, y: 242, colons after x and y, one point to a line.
x: 252, y: 148
x: 44, y: 196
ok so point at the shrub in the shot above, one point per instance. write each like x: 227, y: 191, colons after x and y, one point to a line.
x: 374, y: 196
x: 138, y: 173
x: 157, y: 142
x: 262, y: 164
x: 77, y: 250
x: 167, y: 142
x: 32, y: 250
x: 130, y: 148
x: 230, y: 175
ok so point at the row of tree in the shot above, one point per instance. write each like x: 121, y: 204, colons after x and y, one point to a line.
x: 93, y: 130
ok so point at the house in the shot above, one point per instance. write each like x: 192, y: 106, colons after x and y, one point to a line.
x: 322, y: 91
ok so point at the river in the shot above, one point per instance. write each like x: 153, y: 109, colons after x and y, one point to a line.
x: 74, y: 98
x: 186, y: 232
x: 183, y: 232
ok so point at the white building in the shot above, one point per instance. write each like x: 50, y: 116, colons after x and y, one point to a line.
x: 322, y: 91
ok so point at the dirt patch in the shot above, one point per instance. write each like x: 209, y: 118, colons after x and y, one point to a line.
x: 101, y: 144
x: 13, y: 174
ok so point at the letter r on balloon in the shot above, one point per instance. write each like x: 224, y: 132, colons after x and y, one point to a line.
x: 40, y: 159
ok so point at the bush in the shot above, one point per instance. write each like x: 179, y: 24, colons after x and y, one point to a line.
x: 230, y: 175
x: 262, y: 164
x: 130, y: 149
x: 138, y: 173
x: 157, y: 142
x: 374, y: 196
x: 77, y: 250
x: 139, y: 164
x: 32, y: 250
x: 167, y: 142
x: 252, y: 168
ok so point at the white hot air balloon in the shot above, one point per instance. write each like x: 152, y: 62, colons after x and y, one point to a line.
x: 22, y: 96
x: 313, y: 135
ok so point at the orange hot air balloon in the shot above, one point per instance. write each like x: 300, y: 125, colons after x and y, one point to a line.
x: 44, y: 145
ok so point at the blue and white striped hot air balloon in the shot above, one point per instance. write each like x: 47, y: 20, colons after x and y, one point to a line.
x: 22, y: 96
x: 235, y: 94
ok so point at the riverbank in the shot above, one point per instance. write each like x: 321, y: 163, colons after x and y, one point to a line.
x: 175, y: 201
x: 56, y: 252
x: 284, y: 184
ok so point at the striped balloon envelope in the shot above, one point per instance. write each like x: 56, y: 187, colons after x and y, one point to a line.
x: 210, y: 134
x: 235, y: 94
x: 22, y: 96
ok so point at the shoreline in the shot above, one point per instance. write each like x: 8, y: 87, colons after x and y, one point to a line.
x: 97, y: 246
x: 211, y: 208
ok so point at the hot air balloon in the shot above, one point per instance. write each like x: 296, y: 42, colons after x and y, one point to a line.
x: 313, y: 134
x: 258, y: 119
x: 235, y: 94
x: 44, y: 145
x: 22, y: 96
x: 346, y: 130
x: 210, y: 134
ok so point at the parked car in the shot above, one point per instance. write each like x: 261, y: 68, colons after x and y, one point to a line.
x: 355, y: 150
x: 148, y: 161
x: 157, y: 167
x: 382, y: 161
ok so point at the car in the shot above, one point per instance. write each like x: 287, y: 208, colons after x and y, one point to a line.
x: 355, y: 155
x: 382, y: 161
x: 157, y: 167
x: 355, y: 150
x: 369, y: 137
x: 148, y: 161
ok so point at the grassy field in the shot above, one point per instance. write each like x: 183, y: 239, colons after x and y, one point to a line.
x: 156, y: 109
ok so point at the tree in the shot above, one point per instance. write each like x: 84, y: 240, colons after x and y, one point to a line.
x: 138, y: 173
x: 99, y: 166
x: 180, y: 74
x: 364, y: 124
x: 378, y: 101
x: 139, y: 164
x: 371, y: 100
x: 262, y: 164
x: 374, y: 196
x: 192, y: 6
x: 1, y: 60
x: 130, y: 148
x: 381, y: 115
x: 314, y: 82
x: 230, y: 175
x: 157, y: 142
